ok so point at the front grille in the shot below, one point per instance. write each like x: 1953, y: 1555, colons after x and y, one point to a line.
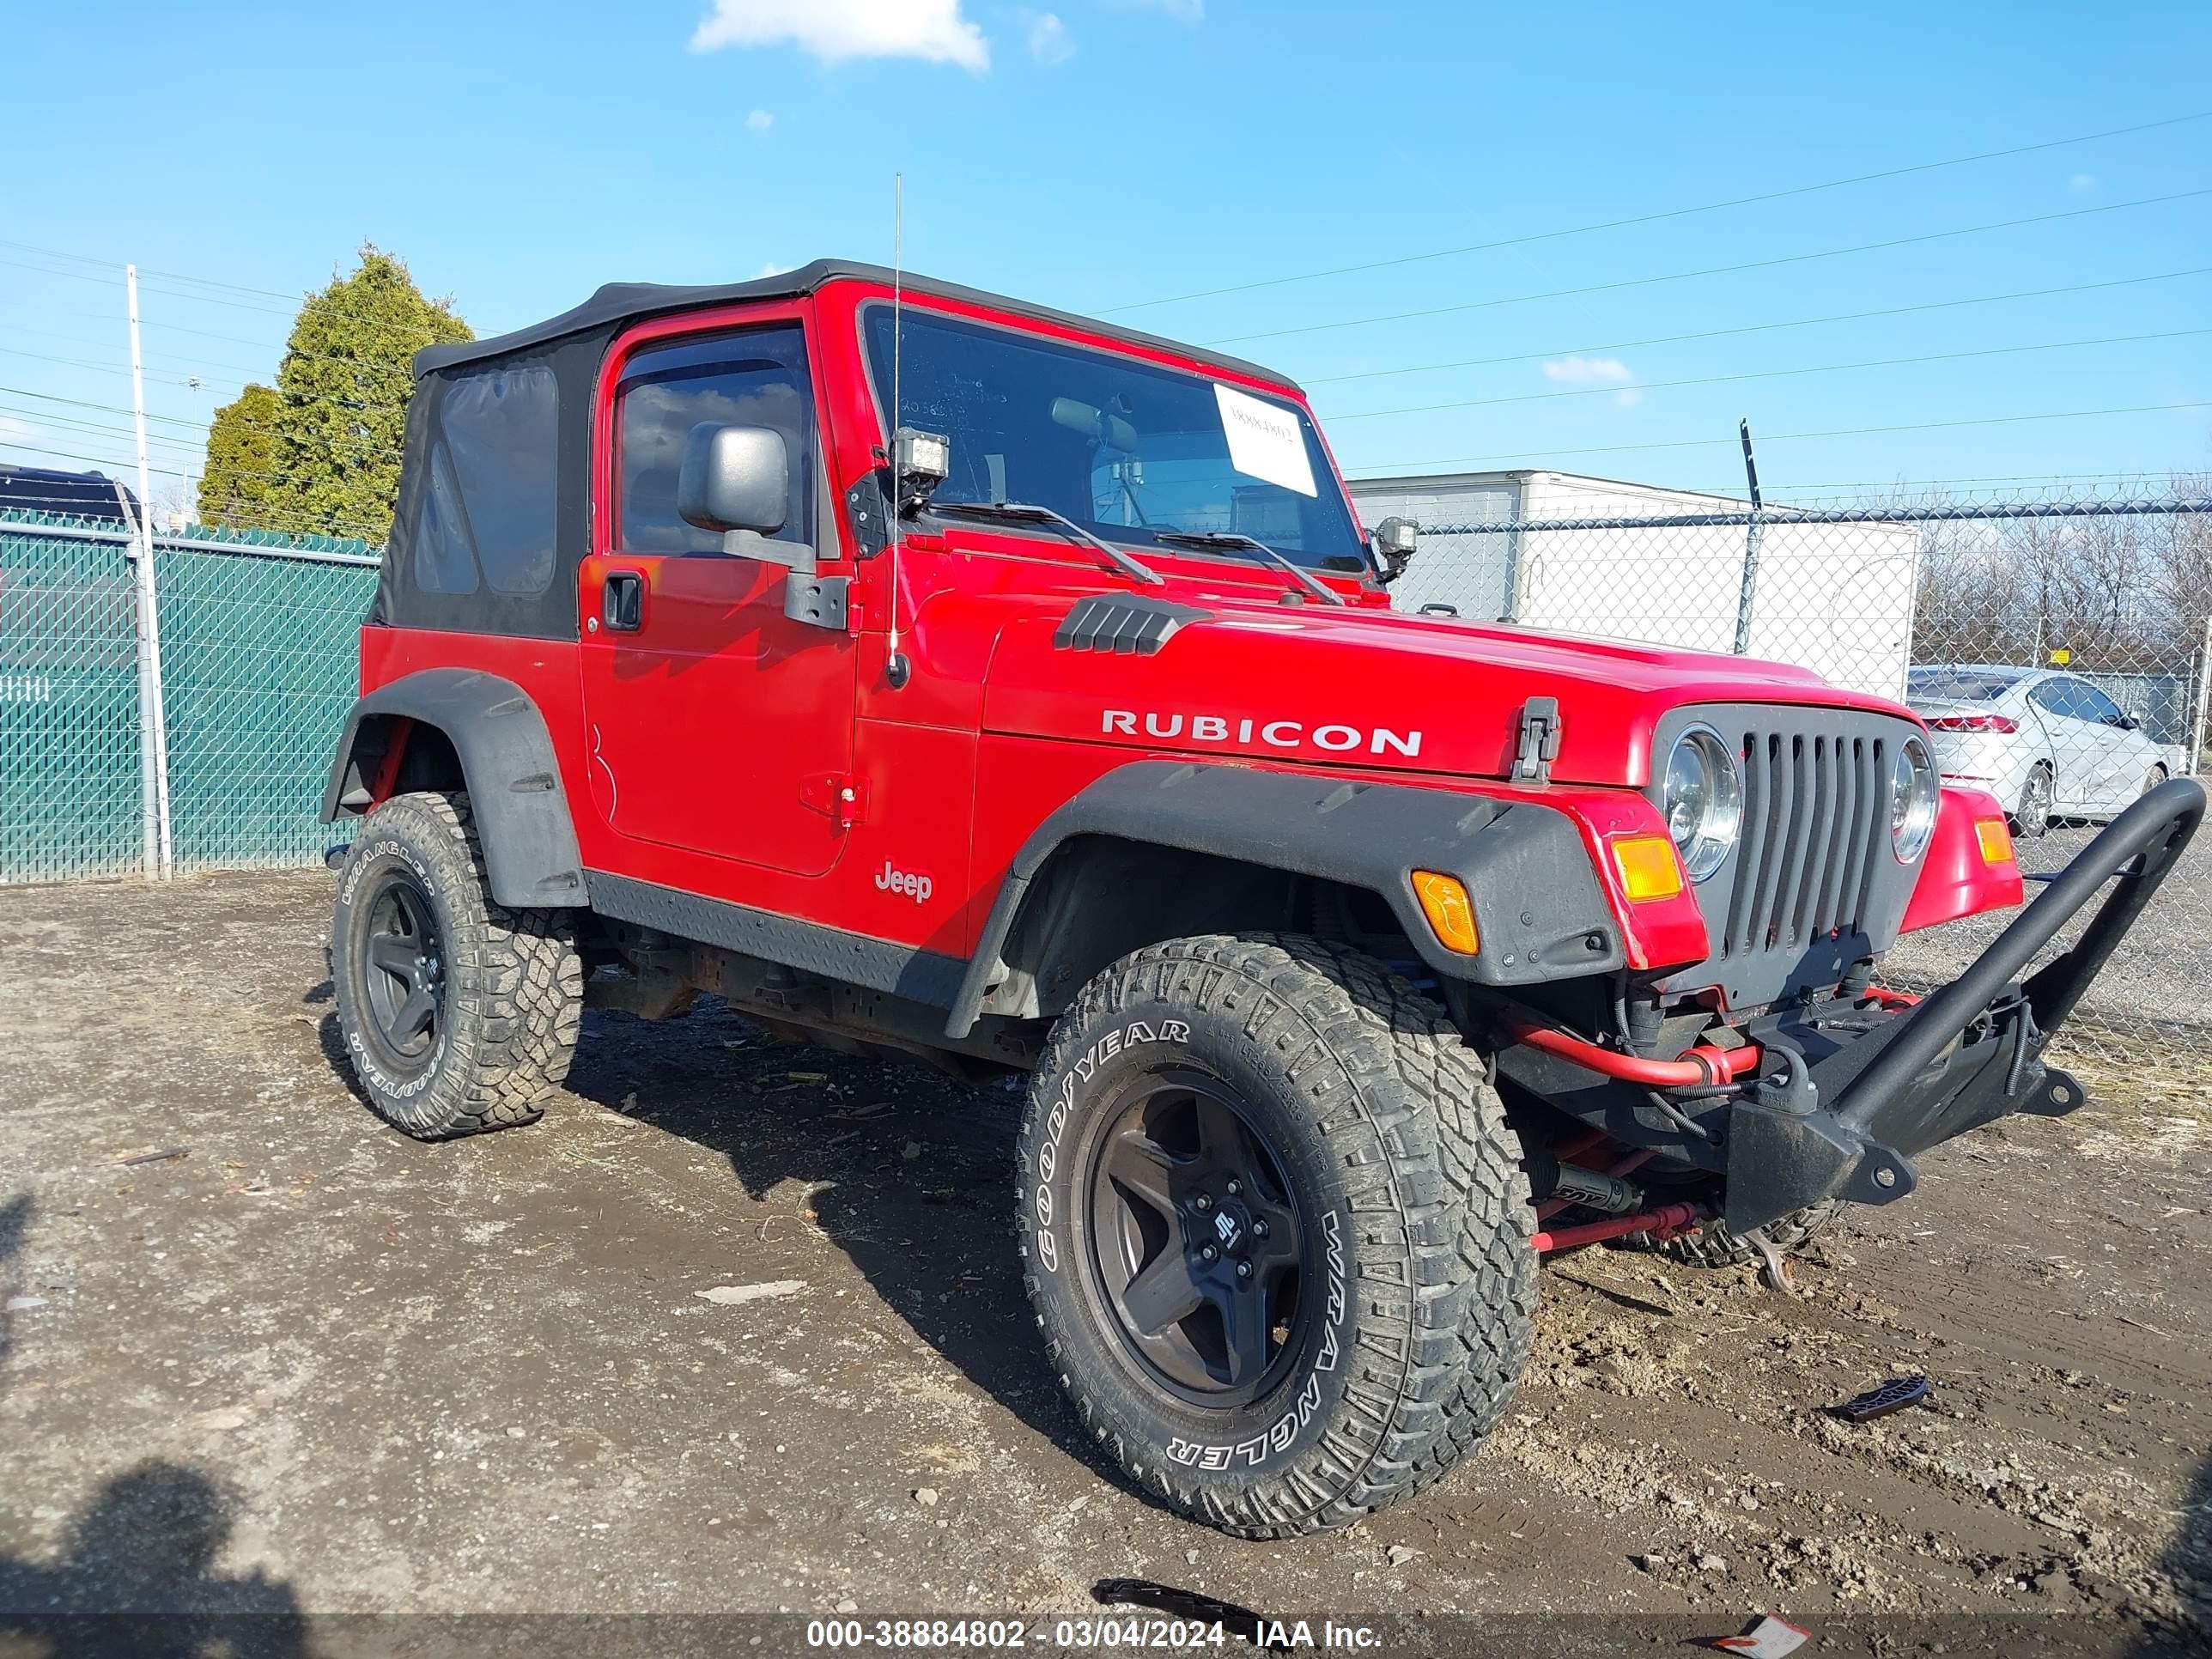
x: 1812, y: 886
x: 1812, y: 807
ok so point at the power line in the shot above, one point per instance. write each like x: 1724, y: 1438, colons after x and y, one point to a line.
x: 104, y: 409
x: 1756, y: 328
x: 1387, y: 469
x: 1768, y: 375
x: 1714, y: 270
x: 1653, y: 218
x: 144, y: 271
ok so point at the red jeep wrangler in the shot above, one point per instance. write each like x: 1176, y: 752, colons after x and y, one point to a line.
x: 949, y: 676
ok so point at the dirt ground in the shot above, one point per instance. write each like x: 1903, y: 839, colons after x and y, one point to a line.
x: 311, y: 1367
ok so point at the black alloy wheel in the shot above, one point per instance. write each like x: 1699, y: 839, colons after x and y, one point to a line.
x: 402, y: 972
x: 1196, y: 1240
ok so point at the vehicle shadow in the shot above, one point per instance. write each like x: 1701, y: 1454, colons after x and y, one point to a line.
x: 2188, y: 1563
x: 136, y: 1575
x: 14, y: 1224
x: 907, y: 1171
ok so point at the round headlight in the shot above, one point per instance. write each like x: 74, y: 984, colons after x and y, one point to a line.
x: 1913, y: 788
x: 1703, y: 801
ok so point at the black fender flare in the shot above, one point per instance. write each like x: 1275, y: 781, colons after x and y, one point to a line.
x: 1540, y: 911
x: 508, y: 764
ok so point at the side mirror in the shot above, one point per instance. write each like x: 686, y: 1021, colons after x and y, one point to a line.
x: 1394, y: 546
x: 737, y: 479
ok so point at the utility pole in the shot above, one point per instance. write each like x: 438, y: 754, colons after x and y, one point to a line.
x: 1749, y: 591
x: 153, y: 738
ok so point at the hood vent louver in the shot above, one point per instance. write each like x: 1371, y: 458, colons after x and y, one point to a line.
x: 1125, y: 627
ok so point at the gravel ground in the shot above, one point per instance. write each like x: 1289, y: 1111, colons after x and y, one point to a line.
x: 738, y: 1330
x: 2159, y: 981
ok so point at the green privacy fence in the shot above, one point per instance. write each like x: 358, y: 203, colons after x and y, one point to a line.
x: 254, y: 637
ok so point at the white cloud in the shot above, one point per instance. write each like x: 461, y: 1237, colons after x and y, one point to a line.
x: 759, y: 121
x: 1588, y: 371
x: 1048, y: 37
x: 837, y: 30
x: 2084, y: 181
x: 775, y: 267
x: 1183, y: 11
x: 13, y: 431
x: 1627, y: 398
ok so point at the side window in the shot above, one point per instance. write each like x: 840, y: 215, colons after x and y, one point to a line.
x: 2094, y: 705
x: 2050, y: 696
x: 490, y: 502
x: 755, y: 378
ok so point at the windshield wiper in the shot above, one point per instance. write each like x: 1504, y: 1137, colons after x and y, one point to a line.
x: 1230, y: 538
x: 1029, y: 513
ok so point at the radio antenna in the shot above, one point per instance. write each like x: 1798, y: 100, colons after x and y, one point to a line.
x: 896, y: 667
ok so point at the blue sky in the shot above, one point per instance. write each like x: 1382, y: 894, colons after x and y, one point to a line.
x: 1101, y: 153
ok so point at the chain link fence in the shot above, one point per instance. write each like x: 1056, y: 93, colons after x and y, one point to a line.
x: 193, y: 733
x: 2055, y: 646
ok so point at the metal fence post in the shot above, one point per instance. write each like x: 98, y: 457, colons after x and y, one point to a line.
x: 152, y: 708
x: 1751, y: 536
x: 2203, y: 684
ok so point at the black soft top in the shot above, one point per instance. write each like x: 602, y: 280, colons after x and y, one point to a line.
x: 617, y: 304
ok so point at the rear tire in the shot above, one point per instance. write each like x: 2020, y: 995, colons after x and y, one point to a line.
x: 1391, y: 1260
x: 2031, y: 817
x: 459, y: 1015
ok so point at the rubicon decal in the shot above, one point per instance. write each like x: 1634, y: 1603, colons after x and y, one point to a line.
x: 1247, y: 730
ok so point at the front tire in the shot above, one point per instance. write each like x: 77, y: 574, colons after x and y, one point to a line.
x: 1274, y: 1230
x: 458, y: 1014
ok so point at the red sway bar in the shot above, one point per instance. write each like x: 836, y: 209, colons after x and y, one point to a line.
x: 1697, y: 1069
x: 1662, y: 1223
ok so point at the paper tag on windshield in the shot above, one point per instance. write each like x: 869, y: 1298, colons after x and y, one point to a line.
x: 1265, y: 441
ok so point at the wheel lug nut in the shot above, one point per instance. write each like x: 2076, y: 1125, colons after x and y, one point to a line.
x: 1204, y: 1202
x: 1259, y: 1230
x: 1243, y: 1270
x: 1235, y: 1188
x: 1208, y: 1253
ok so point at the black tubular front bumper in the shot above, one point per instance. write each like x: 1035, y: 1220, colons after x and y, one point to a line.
x: 1843, y: 1104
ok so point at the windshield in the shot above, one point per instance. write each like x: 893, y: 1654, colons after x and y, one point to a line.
x: 1964, y: 684
x: 1125, y: 448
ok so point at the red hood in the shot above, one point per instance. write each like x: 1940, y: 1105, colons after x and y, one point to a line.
x: 1373, y: 689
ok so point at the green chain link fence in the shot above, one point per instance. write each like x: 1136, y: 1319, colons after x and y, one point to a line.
x: 257, y: 664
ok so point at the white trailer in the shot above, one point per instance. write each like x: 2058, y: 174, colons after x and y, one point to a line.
x: 1834, y: 598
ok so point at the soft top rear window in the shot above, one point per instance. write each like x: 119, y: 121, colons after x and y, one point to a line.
x: 490, y: 511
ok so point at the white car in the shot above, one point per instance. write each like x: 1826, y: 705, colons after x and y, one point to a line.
x: 2047, y: 743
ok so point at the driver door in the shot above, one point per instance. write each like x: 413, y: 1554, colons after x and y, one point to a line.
x: 711, y: 717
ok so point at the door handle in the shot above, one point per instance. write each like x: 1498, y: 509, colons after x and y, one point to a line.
x: 622, y: 601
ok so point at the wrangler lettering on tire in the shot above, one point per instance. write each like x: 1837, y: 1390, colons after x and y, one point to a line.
x: 1274, y: 1229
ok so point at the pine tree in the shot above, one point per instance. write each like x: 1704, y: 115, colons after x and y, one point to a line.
x: 341, y: 401
x: 237, y: 485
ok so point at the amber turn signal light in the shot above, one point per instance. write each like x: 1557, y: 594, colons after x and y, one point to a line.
x: 1996, y: 840
x: 1449, y: 910
x: 1648, y: 868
